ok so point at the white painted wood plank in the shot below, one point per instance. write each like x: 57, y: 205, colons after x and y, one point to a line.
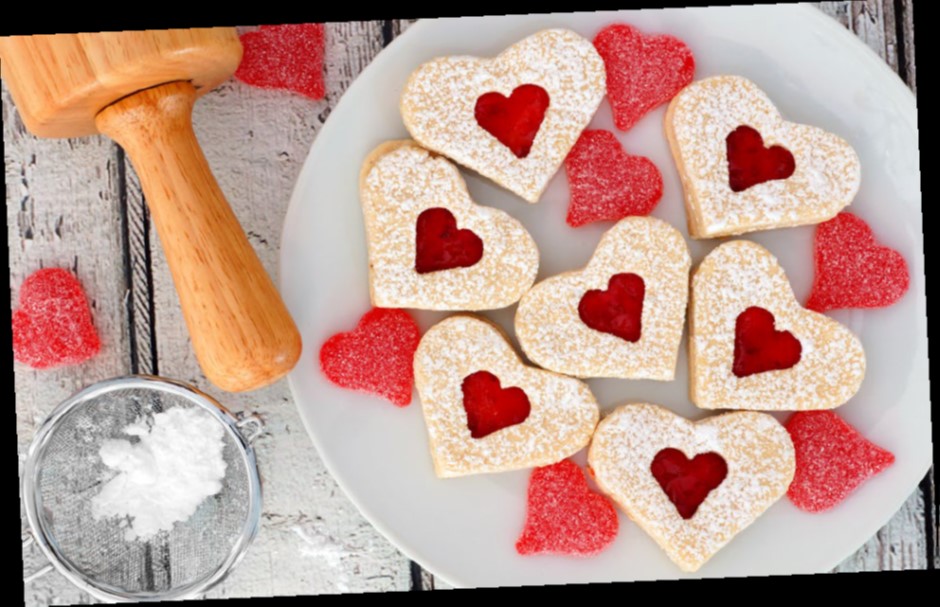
x: 313, y: 540
x: 62, y: 196
x: 907, y: 26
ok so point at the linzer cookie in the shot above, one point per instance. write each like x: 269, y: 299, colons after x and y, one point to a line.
x: 430, y: 246
x: 691, y: 485
x: 752, y: 346
x: 621, y: 316
x: 513, y: 118
x: 486, y: 411
x: 744, y: 168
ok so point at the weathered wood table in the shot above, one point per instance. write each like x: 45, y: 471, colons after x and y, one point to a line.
x: 77, y: 203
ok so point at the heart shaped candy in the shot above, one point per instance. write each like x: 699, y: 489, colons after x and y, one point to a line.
x: 375, y: 357
x: 430, y: 246
x: 288, y: 57
x: 564, y: 516
x: 513, y: 139
x: 562, y: 411
x: 832, y: 460
x: 852, y: 269
x: 739, y: 180
x: 581, y: 323
x: 608, y: 184
x: 752, y: 346
x: 643, y: 71
x: 632, y: 456
x: 53, y: 325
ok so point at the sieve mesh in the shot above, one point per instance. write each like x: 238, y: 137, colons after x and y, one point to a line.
x: 68, y: 473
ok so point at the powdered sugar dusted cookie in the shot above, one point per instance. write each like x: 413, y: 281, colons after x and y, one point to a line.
x: 691, y: 485
x: 512, y: 118
x: 430, y: 246
x: 744, y: 168
x: 488, y: 412
x: 752, y: 346
x: 621, y: 316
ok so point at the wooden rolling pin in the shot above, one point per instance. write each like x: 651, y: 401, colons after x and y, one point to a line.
x: 139, y: 88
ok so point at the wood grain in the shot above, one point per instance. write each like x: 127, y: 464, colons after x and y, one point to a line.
x: 62, y: 81
x: 240, y: 330
x: 63, y: 195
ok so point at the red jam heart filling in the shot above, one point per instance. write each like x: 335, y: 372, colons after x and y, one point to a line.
x: 441, y: 246
x: 618, y: 310
x: 685, y: 481
x: 759, y: 347
x: 513, y: 120
x: 750, y: 163
x: 490, y: 407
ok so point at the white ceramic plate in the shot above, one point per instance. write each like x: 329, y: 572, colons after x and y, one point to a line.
x: 464, y: 530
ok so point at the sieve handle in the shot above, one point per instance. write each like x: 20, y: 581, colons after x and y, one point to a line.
x: 27, y: 579
x: 250, y: 426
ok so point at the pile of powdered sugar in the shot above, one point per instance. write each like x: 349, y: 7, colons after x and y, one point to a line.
x: 164, y: 477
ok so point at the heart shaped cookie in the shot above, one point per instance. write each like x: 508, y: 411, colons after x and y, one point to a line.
x: 621, y: 316
x: 430, y: 246
x: 744, y: 168
x: 512, y: 118
x: 472, y: 383
x: 53, y: 325
x: 691, y: 485
x: 752, y: 346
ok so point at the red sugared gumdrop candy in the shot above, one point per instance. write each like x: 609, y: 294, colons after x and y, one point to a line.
x: 750, y: 163
x: 606, y: 183
x: 618, y: 310
x: 53, y: 325
x: 439, y: 245
x: 759, y: 346
x: 513, y: 120
x: 286, y: 57
x: 643, y: 72
x: 564, y: 516
x: 832, y: 460
x: 687, y: 482
x: 852, y: 270
x: 489, y: 406
x: 376, y: 357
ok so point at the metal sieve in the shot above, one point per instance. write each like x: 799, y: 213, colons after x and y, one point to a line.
x: 64, y: 472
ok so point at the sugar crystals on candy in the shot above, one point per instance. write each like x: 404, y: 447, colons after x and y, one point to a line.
x: 564, y: 516
x: 284, y: 57
x: 53, y: 325
x: 832, y: 460
x: 375, y: 357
